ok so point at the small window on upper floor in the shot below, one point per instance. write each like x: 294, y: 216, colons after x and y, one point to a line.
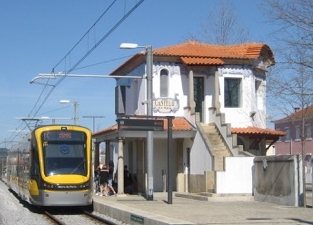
x: 287, y: 137
x: 232, y: 92
x: 164, y: 83
x: 297, y: 138
x: 280, y: 138
x: 308, y: 131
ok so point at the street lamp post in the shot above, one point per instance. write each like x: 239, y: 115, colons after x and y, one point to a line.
x: 149, y: 63
x: 75, y: 109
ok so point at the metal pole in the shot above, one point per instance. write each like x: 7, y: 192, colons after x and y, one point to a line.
x: 76, y: 113
x: 312, y: 180
x: 149, y: 62
x: 169, y: 159
x: 120, y: 167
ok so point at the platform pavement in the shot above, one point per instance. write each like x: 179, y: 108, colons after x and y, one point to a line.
x: 135, y: 209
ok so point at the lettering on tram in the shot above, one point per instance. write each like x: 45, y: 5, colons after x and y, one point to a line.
x: 63, y: 135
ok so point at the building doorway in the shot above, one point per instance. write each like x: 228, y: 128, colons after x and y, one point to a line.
x: 198, y: 87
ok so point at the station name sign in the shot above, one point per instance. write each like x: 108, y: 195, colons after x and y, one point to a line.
x: 165, y: 105
x: 140, y: 124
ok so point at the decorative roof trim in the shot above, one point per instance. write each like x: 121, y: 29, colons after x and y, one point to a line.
x: 202, y: 61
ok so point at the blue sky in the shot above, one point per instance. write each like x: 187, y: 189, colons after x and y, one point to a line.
x: 35, y: 35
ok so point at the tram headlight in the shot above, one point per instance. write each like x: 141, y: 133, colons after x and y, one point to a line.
x: 85, y: 185
x: 47, y: 185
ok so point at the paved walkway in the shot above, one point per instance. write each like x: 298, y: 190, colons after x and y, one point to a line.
x: 134, y: 209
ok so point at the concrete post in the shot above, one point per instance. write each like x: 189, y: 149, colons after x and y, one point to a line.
x: 120, y: 167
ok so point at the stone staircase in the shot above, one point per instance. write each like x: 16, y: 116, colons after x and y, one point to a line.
x: 221, y: 143
x: 216, y: 144
x: 218, y: 148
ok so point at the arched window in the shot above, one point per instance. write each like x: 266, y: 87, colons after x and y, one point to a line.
x: 164, y: 83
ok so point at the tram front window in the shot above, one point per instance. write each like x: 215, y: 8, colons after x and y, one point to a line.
x: 64, y: 158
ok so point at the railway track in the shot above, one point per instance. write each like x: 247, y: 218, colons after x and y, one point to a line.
x: 76, y: 217
x: 56, y: 215
x: 98, y: 218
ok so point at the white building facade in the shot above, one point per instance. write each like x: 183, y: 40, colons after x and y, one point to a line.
x: 216, y: 95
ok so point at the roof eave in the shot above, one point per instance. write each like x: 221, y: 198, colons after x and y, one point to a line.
x: 131, y: 63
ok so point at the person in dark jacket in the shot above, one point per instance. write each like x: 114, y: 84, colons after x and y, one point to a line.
x: 128, y: 181
x: 97, y: 181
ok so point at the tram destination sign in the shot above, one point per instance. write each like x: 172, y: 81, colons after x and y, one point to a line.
x: 140, y: 124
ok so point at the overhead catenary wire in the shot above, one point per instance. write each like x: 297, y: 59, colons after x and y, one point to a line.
x: 49, y: 88
x: 87, y: 32
x: 106, y: 61
x: 88, y: 52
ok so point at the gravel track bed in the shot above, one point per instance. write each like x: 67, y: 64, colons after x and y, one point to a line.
x: 14, y: 212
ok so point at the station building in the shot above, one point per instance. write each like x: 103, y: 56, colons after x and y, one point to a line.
x: 216, y: 95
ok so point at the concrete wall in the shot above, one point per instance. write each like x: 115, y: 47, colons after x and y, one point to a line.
x: 196, y: 183
x: 201, y: 160
x: 237, y: 177
x: 278, y: 179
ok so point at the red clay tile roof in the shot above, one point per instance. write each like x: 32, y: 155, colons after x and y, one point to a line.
x: 307, y: 112
x: 256, y: 131
x: 179, y: 124
x: 106, y: 130
x: 197, y: 49
x: 196, y: 53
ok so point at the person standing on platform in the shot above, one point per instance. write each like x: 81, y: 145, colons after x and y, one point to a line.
x: 110, y: 179
x: 97, y: 181
x: 128, y: 181
x: 104, y: 175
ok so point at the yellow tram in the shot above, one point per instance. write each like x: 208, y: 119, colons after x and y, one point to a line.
x: 52, y: 166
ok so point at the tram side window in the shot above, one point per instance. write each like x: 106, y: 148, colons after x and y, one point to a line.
x: 24, y: 164
x: 34, y: 166
x: 21, y: 167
